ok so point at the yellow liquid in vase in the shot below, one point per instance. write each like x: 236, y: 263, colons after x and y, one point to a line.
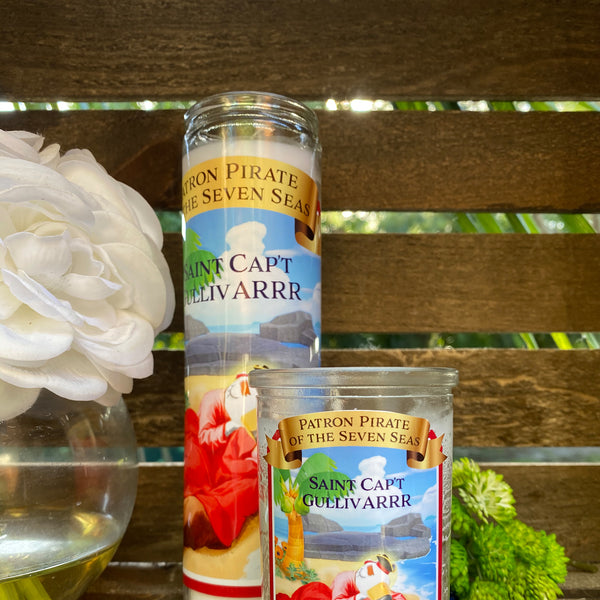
x: 66, y: 582
x: 51, y: 561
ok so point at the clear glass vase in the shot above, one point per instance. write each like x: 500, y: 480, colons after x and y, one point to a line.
x: 68, y: 480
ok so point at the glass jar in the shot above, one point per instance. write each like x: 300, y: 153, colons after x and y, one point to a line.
x: 355, y: 481
x: 252, y: 296
x: 68, y: 480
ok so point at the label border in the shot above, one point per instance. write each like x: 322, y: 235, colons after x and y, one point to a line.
x: 440, y: 507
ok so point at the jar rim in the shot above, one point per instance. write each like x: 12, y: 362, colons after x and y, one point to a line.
x: 251, y: 102
x: 358, y: 377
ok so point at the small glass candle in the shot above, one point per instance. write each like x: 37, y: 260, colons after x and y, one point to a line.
x: 355, y: 482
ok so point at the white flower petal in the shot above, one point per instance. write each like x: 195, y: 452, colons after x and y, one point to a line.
x: 148, y: 285
x: 26, y: 336
x: 117, y: 381
x: 110, y: 398
x: 15, y: 400
x: 139, y: 370
x: 8, y: 303
x: 119, y: 333
x: 84, y: 260
x: 127, y: 343
x: 37, y: 297
x: 20, y: 144
x: 114, y: 229
x: 145, y: 215
x: 38, y: 186
x: 49, y: 255
x: 73, y: 376
x: 95, y: 313
x: 86, y: 287
x: 82, y: 155
x: 35, y: 140
x: 70, y: 375
x: 169, y: 292
x: 111, y: 227
x: 93, y: 178
x: 50, y: 156
x: 6, y: 224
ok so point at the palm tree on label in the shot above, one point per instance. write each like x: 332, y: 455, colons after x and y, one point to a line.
x: 200, y: 267
x: 318, y: 477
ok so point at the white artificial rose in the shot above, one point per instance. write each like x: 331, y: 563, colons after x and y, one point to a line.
x: 84, y: 286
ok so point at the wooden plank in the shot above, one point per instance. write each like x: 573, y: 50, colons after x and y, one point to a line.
x: 499, y: 388
x: 155, y: 532
x: 461, y: 283
x: 139, y: 581
x: 583, y: 585
x: 164, y: 582
x: 437, y: 49
x: 461, y: 161
x: 546, y: 498
x: 387, y: 283
x: 558, y: 498
x: 548, y: 393
x: 413, y: 160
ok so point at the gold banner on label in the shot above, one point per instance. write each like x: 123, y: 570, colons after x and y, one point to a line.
x: 354, y: 428
x: 252, y: 182
x: 432, y: 458
x: 276, y: 458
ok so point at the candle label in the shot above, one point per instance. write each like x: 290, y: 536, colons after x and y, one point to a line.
x: 354, y: 505
x: 243, y: 181
x: 251, y: 266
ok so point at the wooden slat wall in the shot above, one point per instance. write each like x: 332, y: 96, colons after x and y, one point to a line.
x: 414, y: 161
x: 163, y: 582
x: 461, y: 283
x: 305, y: 48
x: 388, y: 283
x: 546, y: 497
x: 402, y: 160
x: 502, y: 400
x: 513, y: 398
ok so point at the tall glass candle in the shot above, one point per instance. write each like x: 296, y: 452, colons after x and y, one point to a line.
x: 355, y: 482
x: 252, y: 298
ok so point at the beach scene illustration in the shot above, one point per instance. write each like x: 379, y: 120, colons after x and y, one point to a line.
x: 245, y: 286
x: 343, y: 508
